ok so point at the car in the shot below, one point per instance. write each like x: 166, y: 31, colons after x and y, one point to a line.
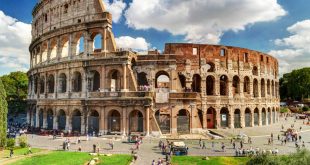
x: 179, y: 148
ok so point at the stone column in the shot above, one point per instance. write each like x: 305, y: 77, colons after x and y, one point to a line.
x: 102, y: 80
x: 83, y: 124
x: 28, y: 116
x: 204, y: 116
x: 260, y: 121
x: 242, y: 117
x: 218, y: 117
x: 68, y: 123
x: 104, y: 41
x: 37, y: 119
x: 44, y: 119
x: 31, y: 118
x: 55, y: 123
x: 147, y: 121
x: 252, y: 118
x: 49, y: 50
x: 231, y: 118
x: 124, y: 78
x: 58, y: 49
x: 124, y: 116
x: 70, y: 46
x: 102, y: 121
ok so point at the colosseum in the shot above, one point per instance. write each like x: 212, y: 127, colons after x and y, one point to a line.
x: 77, y: 85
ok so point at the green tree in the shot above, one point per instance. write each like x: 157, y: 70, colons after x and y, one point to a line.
x: 3, y: 115
x: 16, y: 86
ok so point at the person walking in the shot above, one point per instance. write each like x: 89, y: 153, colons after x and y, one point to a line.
x: 29, y: 150
x: 204, y: 145
x: 223, y: 147
x: 234, y: 145
x: 241, y: 144
x: 11, y: 152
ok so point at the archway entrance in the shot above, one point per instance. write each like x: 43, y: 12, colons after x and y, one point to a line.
x: 135, y: 121
x: 224, y: 117
x: 50, y: 119
x: 61, y: 120
x: 183, y: 122
x: 256, y: 117
x: 211, y: 118
x: 76, y: 121
x: 163, y: 121
x: 93, y: 122
x: 114, y: 121
x: 264, y: 116
x: 247, y: 117
x: 237, y: 123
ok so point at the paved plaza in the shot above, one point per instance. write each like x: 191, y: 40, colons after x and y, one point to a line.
x: 149, y: 149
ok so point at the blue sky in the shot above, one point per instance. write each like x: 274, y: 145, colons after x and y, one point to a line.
x: 266, y: 25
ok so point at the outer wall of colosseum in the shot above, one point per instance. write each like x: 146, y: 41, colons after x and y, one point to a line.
x: 77, y: 86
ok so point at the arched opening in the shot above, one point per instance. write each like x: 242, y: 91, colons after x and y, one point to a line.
x: 237, y: 118
x: 114, y: 122
x: 41, y: 118
x: 272, y: 87
x: 51, y: 83
x: 136, y: 121
x: 212, y: 67
x: 236, y: 85
x: 268, y: 87
x: 115, y: 80
x: 61, y: 120
x: 248, y: 117
x: 76, y: 121
x: 93, y: 122
x: 263, y: 93
x: 182, y: 79
x: 142, y: 79
x: 224, y: 117
x: 162, y: 80
x: 97, y: 44
x: 50, y: 121
x: 210, y: 82
x: 200, y: 117
x: 65, y: 46
x: 54, y: 49
x: 76, y: 82
x: 269, y: 116
x: 42, y: 85
x: 80, y: 46
x: 223, y: 85
x: 264, y: 116
x: 255, y: 71
x: 94, y: 81
x: 211, y: 118
x: 255, y: 88
x: 183, y: 122
x: 62, y: 83
x: 163, y: 120
x: 44, y: 52
x: 36, y: 84
x: 246, y: 85
x: 196, y: 84
x: 256, y: 117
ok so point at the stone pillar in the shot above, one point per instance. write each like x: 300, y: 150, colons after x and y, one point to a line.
x: 252, y: 118
x: 68, y: 123
x: 218, y: 117
x: 104, y: 41
x: 102, y: 121
x: 147, y: 121
x: 260, y: 121
x: 28, y: 116
x: 37, y: 119
x: 58, y: 49
x: 231, y: 118
x: 204, y: 119
x: 102, y: 80
x: 70, y: 46
x: 86, y: 41
x: 125, y: 78
x: 31, y: 118
x: 83, y: 124
x: 124, y: 116
x: 44, y: 119
x: 242, y: 117
x: 55, y: 123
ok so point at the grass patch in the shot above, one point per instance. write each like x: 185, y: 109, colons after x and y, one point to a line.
x: 72, y: 158
x: 198, y: 160
x: 18, y: 152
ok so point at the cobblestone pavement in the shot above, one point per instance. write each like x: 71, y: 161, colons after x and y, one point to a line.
x: 149, y: 150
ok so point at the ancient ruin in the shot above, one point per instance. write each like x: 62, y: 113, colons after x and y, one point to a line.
x: 188, y: 88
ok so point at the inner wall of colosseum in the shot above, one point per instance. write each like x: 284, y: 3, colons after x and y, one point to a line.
x: 79, y: 86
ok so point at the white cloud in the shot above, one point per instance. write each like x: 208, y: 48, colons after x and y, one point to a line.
x: 294, y: 51
x: 15, y: 37
x: 137, y: 44
x: 200, y: 21
x: 116, y: 8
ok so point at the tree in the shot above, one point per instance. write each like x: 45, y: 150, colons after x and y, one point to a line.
x: 305, y: 108
x: 16, y: 86
x: 3, y: 115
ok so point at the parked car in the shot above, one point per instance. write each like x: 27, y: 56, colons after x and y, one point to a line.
x: 179, y: 148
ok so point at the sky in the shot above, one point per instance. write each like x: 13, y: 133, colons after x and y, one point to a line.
x: 277, y: 27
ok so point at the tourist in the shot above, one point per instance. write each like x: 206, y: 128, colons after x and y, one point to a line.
x: 29, y: 149
x: 153, y: 162
x: 271, y: 136
x: 159, y: 161
x: 278, y: 137
x: 11, y: 152
x: 223, y: 147
x: 94, y: 148
x: 79, y: 140
x: 80, y: 148
x: 204, y: 145
x: 303, y: 144
x: 234, y: 145
x: 241, y: 144
x: 300, y: 128
x: 299, y: 138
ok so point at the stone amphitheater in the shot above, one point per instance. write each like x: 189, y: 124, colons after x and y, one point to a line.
x: 79, y: 81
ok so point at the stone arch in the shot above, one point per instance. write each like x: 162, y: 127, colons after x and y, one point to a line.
x: 211, y: 118
x: 246, y: 85
x: 93, y: 122
x: 162, y: 79
x: 237, y: 118
x: 64, y: 46
x: 42, y: 84
x: 53, y: 54
x: 212, y: 67
x: 142, y: 79
x: 50, y: 119
x: 196, y: 83
x: 136, y: 121
x: 224, y: 117
x: 62, y: 83
x: 44, y: 52
x: 94, y: 80
x: 236, y: 85
x: 183, y: 121
x: 182, y: 79
x: 97, y: 41
x: 51, y: 83
x: 210, y: 85
x: 114, y: 80
x: 255, y: 71
x: 263, y: 88
x: 224, y: 85
x: 255, y: 88
x: 264, y: 117
x: 80, y: 45
x: 76, y: 82
x: 256, y: 117
x: 163, y: 120
x: 248, y: 117
x: 76, y: 121
x: 114, y: 121
x: 61, y: 122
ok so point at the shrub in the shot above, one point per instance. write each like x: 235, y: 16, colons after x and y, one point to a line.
x: 305, y: 108
x: 10, y: 143
x: 22, y: 141
x: 284, y: 110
